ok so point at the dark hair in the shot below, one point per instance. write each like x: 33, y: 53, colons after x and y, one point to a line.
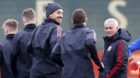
x: 79, y: 16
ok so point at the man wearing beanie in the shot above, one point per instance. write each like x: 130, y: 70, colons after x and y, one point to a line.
x: 42, y: 42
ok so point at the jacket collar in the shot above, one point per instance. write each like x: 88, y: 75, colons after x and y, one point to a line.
x: 50, y: 21
x: 78, y: 26
x: 9, y: 36
x: 31, y: 25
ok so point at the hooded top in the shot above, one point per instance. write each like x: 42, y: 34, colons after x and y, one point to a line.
x: 75, y: 50
x: 43, y: 39
x: 115, y: 55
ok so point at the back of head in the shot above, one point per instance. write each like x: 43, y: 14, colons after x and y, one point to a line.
x: 29, y: 14
x: 79, y: 16
x: 10, y: 25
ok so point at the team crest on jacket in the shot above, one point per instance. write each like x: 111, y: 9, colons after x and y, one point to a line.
x: 109, y: 48
x: 59, y: 31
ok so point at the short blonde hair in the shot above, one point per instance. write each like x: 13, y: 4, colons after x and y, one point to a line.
x: 11, y: 24
x: 29, y: 13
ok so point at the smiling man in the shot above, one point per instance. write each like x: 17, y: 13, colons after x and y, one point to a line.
x: 115, y: 56
x: 43, y: 40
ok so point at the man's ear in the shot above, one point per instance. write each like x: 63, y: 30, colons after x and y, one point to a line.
x: 117, y: 27
x: 86, y: 20
x: 6, y: 30
x: 24, y: 19
x: 16, y: 30
x: 50, y: 16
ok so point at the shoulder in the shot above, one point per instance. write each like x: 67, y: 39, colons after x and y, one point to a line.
x: 47, y: 26
x: 19, y: 34
x: 122, y: 42
x: 3, y: 42
x: 91, y: 34
x: 138, y: 39
x: 91, y: 31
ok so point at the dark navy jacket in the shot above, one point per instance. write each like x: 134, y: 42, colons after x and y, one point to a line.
x: 24, y: 59
x: 115, y: 56
x: 7, y: 62
x: 43, y: 40
x: 75, y: 50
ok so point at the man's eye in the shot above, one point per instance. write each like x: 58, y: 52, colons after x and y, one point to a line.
x: 106, y: 28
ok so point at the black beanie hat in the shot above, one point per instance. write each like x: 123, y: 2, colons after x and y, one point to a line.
x: 51, y: 7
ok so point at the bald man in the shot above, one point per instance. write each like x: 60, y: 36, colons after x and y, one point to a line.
x: 115, y: 54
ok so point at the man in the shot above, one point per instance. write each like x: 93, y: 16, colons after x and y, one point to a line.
x: 43, y: 40
x: 135, y: 45
x: 76, y: 48
x: 115, y: 56
x: 7, y: 62
x: 24, y: 59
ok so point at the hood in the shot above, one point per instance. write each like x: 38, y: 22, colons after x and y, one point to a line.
x: 121, y: 34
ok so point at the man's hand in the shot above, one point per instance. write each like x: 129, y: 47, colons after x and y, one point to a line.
x: 133, y: 65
